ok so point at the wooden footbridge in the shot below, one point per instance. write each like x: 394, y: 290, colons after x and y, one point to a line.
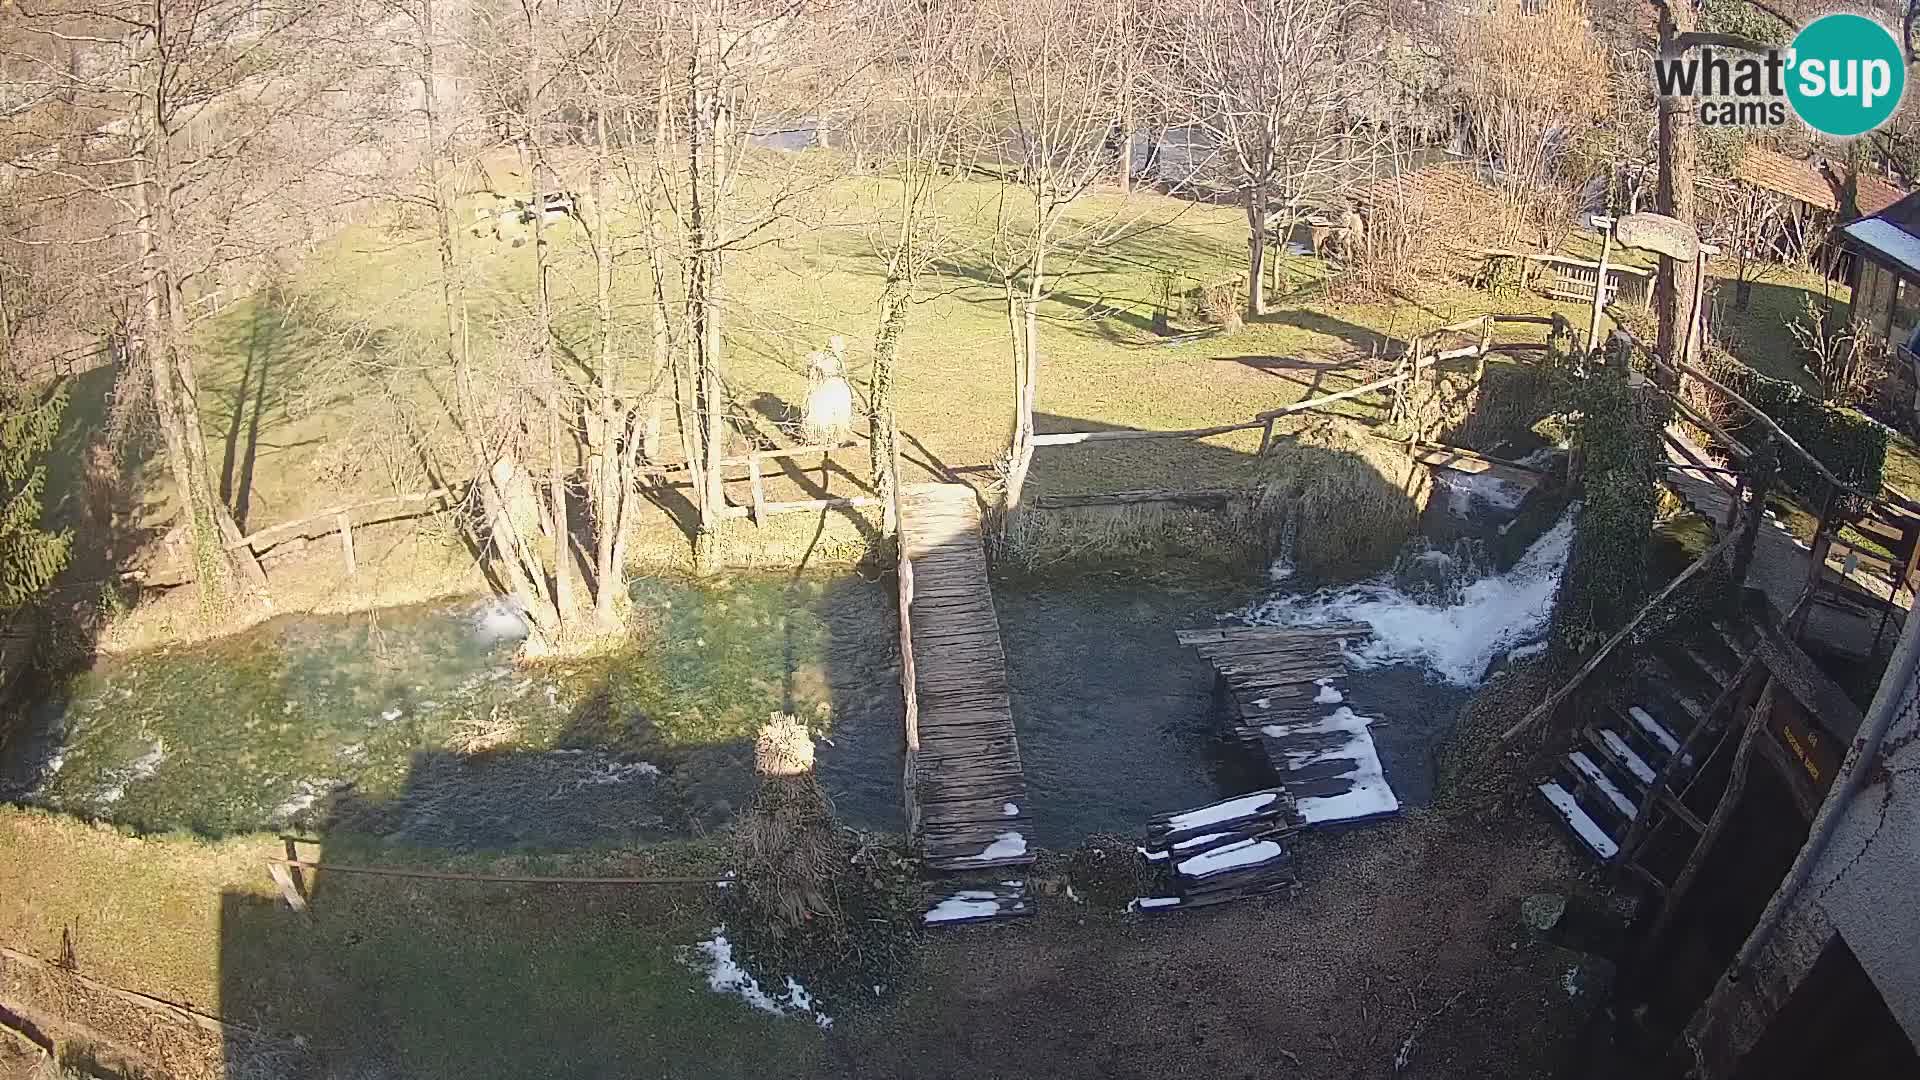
x: 966, y: 795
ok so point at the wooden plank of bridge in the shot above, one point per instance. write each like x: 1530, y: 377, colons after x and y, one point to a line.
x: 968, y: 781
x: 1324, y: 759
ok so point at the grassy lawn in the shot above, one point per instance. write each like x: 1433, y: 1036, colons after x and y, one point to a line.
x: 433, y: 979
x: 306, y: 385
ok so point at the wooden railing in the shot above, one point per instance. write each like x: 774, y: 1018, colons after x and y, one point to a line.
x: 1416, y: 359
x: 909, y: 689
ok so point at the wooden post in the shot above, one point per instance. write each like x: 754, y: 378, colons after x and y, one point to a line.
x: 1600, y: 289
x: 282, y: 876
x: 759, y: 490
x: 346, y: 543
x: 1266, y: 438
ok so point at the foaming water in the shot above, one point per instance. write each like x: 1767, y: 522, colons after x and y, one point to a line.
x: 1455, y: 639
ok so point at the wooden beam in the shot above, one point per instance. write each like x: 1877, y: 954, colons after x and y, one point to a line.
x: 759, y: 491
x: 1128, y: 498
x: 346, y: 544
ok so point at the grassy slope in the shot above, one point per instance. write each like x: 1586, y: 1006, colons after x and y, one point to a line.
x: 346, y: 350
x: 441, y: 979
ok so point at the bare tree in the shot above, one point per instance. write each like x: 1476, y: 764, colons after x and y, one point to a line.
x: 918, y: 126
x: 194, y: 129
x: 1750, y: 224
x: 1267, y: 81
x: 1059, y: 64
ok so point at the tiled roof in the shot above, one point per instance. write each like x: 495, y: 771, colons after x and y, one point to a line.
x: 1811, y: 181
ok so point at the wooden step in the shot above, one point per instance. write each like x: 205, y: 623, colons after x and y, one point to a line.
x: 983, y: 903
x: 1594, y: 775
x: 1586, y: 830
x: 1620, y: 750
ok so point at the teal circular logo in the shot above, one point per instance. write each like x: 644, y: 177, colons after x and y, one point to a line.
x: 1846, y: 74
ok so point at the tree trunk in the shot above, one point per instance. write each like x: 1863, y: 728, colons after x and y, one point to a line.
x: 1256, y: 252
x: 1673, y: 292
x: 885, y: 436
x: 657, y: 265
x: 545, y: 370
x: 213, y: 533
x: 1024, y: 320
x: 608, y: 478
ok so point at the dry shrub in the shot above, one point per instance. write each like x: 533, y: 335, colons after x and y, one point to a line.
x: 1341, y: 495
x: 788, y: 850
x: 1107, y: 871
x: 836, y: 909
x: 1528, y: 73
x: 1043, y: 539
x: 1403, y: 243
x: 480, y: 734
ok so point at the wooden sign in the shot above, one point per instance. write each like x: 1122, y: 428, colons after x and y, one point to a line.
x: 1816, y: 751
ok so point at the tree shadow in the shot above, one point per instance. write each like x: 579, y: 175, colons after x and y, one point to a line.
x: 445, y: 979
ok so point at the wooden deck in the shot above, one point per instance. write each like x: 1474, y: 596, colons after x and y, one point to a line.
x: 965, y: 780
x: 1277, y: 684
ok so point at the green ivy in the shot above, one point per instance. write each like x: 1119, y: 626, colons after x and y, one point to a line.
x: 1847, y: 441
x: 1616, y: 443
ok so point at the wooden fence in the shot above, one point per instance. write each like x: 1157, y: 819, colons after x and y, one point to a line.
x: 340, y: 519
x: 1418, y: 357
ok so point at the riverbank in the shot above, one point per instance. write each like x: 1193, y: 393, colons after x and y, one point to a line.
x: 1406, y: 939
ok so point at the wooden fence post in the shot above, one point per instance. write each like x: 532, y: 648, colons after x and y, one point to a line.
x: 759, y: 490
x: 1266, y: 437
x: 282, y: 876
x: 346, y: 543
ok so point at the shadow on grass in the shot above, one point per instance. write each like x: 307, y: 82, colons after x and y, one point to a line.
x: 460, y: 979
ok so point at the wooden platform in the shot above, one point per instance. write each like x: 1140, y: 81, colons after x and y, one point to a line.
x: 1277, y: 689
x: 965, y: 778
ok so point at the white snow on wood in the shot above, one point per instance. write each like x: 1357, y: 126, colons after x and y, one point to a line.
x: 966, y: 905
x: 1147, y: 903
x: 1370, y: 794
x: 1327, y: 695
x: 1244, y: 853
x: 1591, y: 770
x: 1008, y: 845
x: 1230, y: 810
x: 1622, y: 751
x: 1589, y: 831
x: 1654, y: 729
x: 1151, y: 856
x: 1010, y: 810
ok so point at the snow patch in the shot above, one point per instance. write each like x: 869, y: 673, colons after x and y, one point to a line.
x: 1244, y: 853
x: 971, y: 904
x: 1327, y: 695
x: 1232, y: 809
x: 714, y: 957
x: 1007, y: 845
x: 1148, y: 903
x: 1010, y: 810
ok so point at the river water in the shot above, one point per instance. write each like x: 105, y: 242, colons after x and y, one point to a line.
x: 417, y: 725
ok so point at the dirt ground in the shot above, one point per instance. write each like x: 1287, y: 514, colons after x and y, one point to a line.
x: 1411, y: 928
x: 1404, y: 941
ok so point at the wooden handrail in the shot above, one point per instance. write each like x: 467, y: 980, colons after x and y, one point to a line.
x: 493, y: 879
x: 1560, y: 695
